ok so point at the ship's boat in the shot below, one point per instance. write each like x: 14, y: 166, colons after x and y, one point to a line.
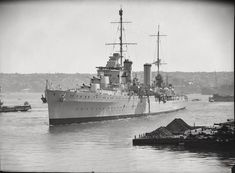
x: 113, y: 93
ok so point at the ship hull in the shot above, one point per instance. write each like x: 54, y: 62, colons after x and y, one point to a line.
x: 76, y: 107
x: 56, y: 121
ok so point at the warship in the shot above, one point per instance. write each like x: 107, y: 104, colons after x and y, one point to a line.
x: 114, y: 93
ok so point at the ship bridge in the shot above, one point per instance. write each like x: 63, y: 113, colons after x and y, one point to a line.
x: 113, y: 61
x: 116, y: 73
x: 113, y: 69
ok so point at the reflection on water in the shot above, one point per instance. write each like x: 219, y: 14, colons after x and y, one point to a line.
x: 28, y: 143
x: 225, y: 156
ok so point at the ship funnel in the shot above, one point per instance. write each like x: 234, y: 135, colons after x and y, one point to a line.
x: 147, y: 74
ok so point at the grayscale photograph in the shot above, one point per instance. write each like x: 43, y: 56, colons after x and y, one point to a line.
x: 117, y: 86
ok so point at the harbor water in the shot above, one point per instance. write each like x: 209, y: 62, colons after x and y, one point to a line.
x: 28, y: 143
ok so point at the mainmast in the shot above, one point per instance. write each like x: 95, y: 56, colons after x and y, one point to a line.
x: 120, y: 37
x: 158, y: 44
x: 158, y: 62
x: 120, y: 14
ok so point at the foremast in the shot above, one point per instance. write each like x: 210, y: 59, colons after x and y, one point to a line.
x: 121, y: 37
x: 116, y: 74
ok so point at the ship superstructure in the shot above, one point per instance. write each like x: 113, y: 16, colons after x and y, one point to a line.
x: 113, y: 93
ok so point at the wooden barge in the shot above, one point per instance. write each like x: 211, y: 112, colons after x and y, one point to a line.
x: 179, y: 133
x: 188, y: 143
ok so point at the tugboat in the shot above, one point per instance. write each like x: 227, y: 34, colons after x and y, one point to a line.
x: 22, y: 108
x: 113, y: 93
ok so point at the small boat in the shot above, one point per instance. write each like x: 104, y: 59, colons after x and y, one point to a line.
x: 221, y: 98
x: 21, y: 108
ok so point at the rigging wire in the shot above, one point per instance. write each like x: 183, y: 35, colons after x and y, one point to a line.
x: 155, y: 52
x: 161, y: 55
x: 115, y: 38
x: 124, y: 33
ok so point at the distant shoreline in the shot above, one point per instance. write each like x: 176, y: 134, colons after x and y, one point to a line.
x: 184, y: 82
x: 132, y: 72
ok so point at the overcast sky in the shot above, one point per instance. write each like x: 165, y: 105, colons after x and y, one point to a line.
x: 70, y: 36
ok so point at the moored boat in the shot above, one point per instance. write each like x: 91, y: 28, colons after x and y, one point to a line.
x: 221, y: 98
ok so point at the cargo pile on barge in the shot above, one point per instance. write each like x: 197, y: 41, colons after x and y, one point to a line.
x: 221, y: 135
